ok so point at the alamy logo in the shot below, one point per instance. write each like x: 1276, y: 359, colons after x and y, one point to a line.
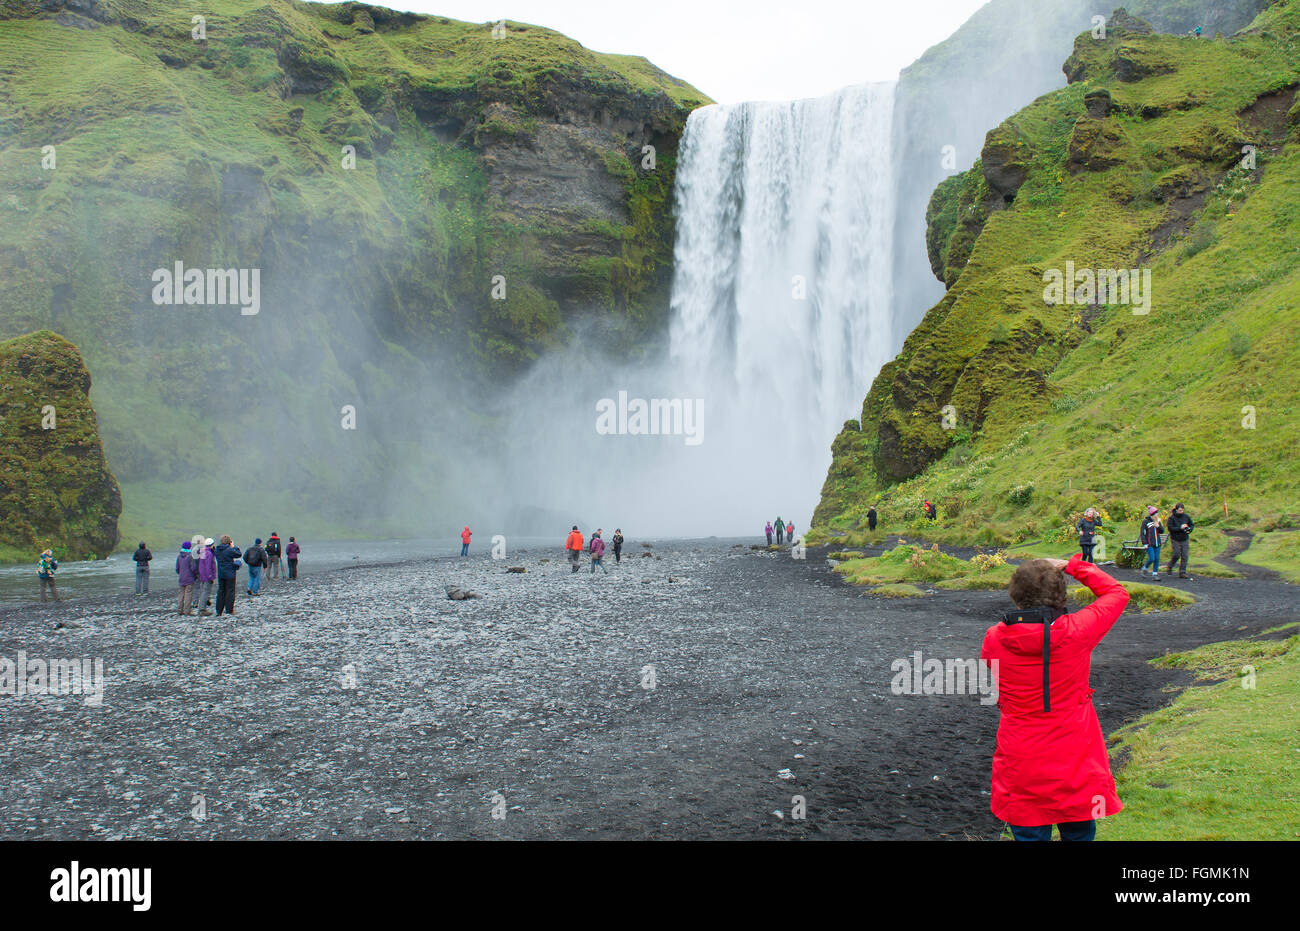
x: 945, y: 677
x: 656, y: 417
x: 212, y: 287
x: 56, y: 677
x: 103, y: 884
x: 1104, y: 286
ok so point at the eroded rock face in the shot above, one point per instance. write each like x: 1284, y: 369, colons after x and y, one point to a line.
x: 55, y: 486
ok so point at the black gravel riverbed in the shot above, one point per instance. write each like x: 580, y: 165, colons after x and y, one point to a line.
x: 688, y: 694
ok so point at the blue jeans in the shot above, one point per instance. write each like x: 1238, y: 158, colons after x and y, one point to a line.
x: 464, y: 549
x: 254, y: 579
x: 1153, y: 559
x: 142, y: 578
x: 598, y: 561
x: 1070, y: 831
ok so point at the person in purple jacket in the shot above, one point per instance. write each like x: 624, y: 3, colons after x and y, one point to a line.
x: 187, y: 573
x: 769, y: 533
x: 207, y: 578
x: 291, y: 552
x: 598, y: 553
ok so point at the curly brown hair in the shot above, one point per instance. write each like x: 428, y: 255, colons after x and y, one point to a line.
x: 1038, y: 583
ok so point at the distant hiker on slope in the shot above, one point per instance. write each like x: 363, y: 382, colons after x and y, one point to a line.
x: 1180, y: 532
x: 464, y: 541
x: 929, y: 509
x: 1050, y: 765
x: 573, y: 546
x: 1150, y: 535
x: 617, y: 540
x: 598, y: 553
x: 1088, y: 526
x: 45, y: 570
x: 273, y: 562
x: 871, y: 518
x: 769, y: 533
x: 227, y: 555
x: 780, y: 531
x: 187, y: 573
x: 292, y: 551
x: 142, y: 555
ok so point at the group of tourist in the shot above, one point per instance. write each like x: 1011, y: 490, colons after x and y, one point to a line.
x: 573, y: 546
x: 1153, y: 533
x: 201, y: 564
x: 784, y: 531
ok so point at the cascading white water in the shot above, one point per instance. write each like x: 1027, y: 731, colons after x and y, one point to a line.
x: 782, y: 287
x: 780, y: 319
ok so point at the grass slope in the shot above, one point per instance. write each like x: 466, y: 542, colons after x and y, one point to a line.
x: 1065, y: 406
x: 1222, y: 761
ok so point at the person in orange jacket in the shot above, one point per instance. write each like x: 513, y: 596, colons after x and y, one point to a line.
x: 464, y: 541
x: 573, y: 546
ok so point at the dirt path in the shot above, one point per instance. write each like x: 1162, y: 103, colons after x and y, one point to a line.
x: 1240, y: 542
x: 536, y: 693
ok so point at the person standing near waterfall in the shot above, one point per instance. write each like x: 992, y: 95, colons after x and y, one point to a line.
x: 769, y: 533
x: 780, y: 531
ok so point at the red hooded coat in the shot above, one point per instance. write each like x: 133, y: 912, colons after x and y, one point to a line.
x: 1051, y: 767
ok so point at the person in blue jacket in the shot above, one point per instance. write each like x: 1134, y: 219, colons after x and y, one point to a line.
x: 228, y: 564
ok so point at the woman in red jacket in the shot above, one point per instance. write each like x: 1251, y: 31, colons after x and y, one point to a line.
x: 1051, y: 766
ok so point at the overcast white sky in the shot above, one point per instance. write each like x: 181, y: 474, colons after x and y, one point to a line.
x: 760, y: 50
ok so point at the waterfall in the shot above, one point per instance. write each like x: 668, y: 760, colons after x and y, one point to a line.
x: 781, y: 298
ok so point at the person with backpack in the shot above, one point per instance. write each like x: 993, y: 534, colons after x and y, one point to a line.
x: 871, y: 518
x: 929, y: 510
x: 227, y: 556
x: 617, y: 540
x: 780, y: 531
x: 187, y: 573
x: 464, y: 541
x: 1051, y: 765
x: 573, y: 546
x: 142, y: 555
x: 292, y: 551
x: 255, y: 560
x: 273, y: 561
x: 598, y: 553
x: 1088, y: 526
x: 1180, y: 532
x: 207, y: 576
x: 769, y: 533
x: 45, y: 569
x: 1151, y: 535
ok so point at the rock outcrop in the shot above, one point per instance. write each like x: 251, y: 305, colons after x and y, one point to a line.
x: 55, y: 487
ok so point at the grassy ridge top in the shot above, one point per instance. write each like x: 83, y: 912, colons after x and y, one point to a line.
x: 1055, y: 407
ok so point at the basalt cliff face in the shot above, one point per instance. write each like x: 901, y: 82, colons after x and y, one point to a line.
x: 429, y: 205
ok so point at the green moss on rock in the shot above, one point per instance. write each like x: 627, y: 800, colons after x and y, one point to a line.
x: 55, y: 487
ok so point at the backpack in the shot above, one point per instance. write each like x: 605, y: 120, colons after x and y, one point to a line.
x: 253, y: 557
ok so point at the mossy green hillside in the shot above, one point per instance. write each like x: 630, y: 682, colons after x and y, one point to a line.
x: 380, y: 169
x: 1055, y: 407
x: 55, y: 488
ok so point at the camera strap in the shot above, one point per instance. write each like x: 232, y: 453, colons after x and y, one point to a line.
x: 1045, y: 616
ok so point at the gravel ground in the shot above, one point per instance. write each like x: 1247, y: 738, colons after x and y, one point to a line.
x: 532, y: 701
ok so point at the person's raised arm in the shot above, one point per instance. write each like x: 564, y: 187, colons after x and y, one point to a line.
x: 1095, y: 621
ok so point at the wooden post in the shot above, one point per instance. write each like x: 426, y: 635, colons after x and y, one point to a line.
x: 1225, y: 505
x: 1198, y: 484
